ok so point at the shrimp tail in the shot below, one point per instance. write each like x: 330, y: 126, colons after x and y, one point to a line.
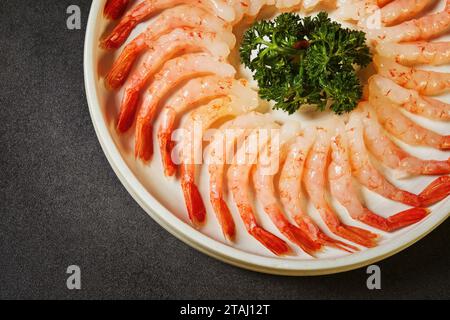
x: 122, y: 66
x: 301, y: 238
x: 357, y: 235
x: 225, y: 218
x: 114, y: 9
x: 321, y: 238
x: 144, y: 140
x: 395, y: 222
x: 128, y: 110
x: 436, y: 191
x: 194, y: 202
x: 270, y: 241
x: 166, y: 147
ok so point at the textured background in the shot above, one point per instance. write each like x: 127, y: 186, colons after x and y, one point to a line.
x: 61, y: 203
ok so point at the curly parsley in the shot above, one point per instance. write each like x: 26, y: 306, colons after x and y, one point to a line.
x: 311, y: 60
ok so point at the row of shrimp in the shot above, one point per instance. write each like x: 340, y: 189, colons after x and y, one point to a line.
x: 179, y: 65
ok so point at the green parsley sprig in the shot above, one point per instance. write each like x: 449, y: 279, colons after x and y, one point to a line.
x: 310, y: 60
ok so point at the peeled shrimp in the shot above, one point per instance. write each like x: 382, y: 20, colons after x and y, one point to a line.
x: 341, y: 185
x: 366, y: 173
x: 221, y: 145
x: 423, y: 81
x: 265, y: 190
x: 402, y: 10
x: 173, y: 72
x: 200, y: 120
x: 178, y: 17
x: 410, y: 100
x: 424, y: 28
x: 178, y: 41
x: 315, y: 183
x: 239, y: 184
x: 193, y: 92
x: 431, y: 53
x: 390, y: 14
x: 148, y: 8
x: 387, y: 152
x: 114, y: 9
x: 290, y: 190
x: 400, y: 126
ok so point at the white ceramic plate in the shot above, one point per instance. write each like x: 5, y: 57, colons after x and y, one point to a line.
x: 162, y: 199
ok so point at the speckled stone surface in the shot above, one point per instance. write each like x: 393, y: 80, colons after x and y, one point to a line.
x: 61, y: 203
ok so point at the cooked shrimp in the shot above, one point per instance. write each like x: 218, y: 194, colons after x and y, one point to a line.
x: 178, y: 17
x: 366, y: 173
x: 114, y: 9
x: 287, y: 4
x: 200, y: 120
x: 173, y: 72
x: 341, y: 185
x: 148, y: 8
x: 382, y: 3
x: 265, y: 190
x: 256, y: 6
x: 315, y: 184
x: 423, y: 81
x: 402, y: 10
x: 178, y: 41
x: 393, y: 13
x: 387, y: 152
x: 290, y: 190
x: 400, y: 126
x: 239, y: 184
x: 410, y: 100
x: 193, y: 92
x: 424, y: 28
x: 221, y: 145
x: 432, y: 53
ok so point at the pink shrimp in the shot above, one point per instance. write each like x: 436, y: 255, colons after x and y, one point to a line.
x: 114, y: 9
x: 402, y: 10
x: 195, y: 91
x: 341, y: 185
x: 370, y: 177
x: 410, y: 100
x: 424, y: 28
x: 178, y: 17
x: 239, y: 180
x: 423, y: 81
x: 386, y: 151
x: 400, y: 126
x: 265, y: 190
x: 178, y: 41
x: 432, y: 53
x: 315, y: 183
x: 200, y: 120
x: 217, y: 159
x: 173, y: 72
x: 148, y: 8
x: 290, y: 191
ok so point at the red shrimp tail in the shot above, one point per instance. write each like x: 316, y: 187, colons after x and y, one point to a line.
x: 395, y: 222
x: 225, y: 218
x: 438, y: 190
x: 270, y: 241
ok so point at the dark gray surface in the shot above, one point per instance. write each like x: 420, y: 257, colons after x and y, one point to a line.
x: 61, y: 203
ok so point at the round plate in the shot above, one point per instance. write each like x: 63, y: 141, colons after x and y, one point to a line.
x: 162, y: 199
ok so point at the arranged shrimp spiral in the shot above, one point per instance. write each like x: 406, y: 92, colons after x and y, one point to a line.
x: 180, y: 67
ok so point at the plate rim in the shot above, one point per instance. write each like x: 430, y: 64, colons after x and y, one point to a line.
x: 196, y: 239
